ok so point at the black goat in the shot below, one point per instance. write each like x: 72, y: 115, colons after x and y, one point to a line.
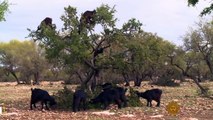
x: 106, y: 86
x: 106, y: 97
x: 79, y: 99
x: 149, y: 95
x: 43, y: 96
x: 121, y: 91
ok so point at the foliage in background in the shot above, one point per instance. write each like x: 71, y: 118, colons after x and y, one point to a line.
x: 102, y: 52
x: 3, y: 9
x: 206, y: 10
x: 199, y: 41
x: 23, y: 60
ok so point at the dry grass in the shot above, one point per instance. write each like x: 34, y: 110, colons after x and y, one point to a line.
x: 16, y: 99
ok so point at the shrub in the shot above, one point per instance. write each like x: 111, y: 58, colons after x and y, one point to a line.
x: 165, y: 81
x: 64, y: 98
x: 133, y: 99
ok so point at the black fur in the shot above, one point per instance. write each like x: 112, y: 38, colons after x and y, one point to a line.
x: 107, y: 97
x: 79, y: 99
x: 87, y: 18
x: 47, y: 22
x: 149, y: 95
x: 43, y: 96
x: 121, y: 91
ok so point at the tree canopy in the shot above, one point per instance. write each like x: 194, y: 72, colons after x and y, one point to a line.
x: 129, y: 50
x: 22, y: 60
x: 3, y: 9
x: 206, y: 10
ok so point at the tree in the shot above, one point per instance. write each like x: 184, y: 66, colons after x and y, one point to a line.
x: 149, y: 57
x: 83, y: 54
x: 22, y: 60
x: 86, y: 54
x: 190, y: 64
x: 201, y: 40
x: 139, y: 54
x: 3, y: 9
x: 206, y: 10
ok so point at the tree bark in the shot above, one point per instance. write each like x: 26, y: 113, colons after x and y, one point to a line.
x: 14, y: 75
x: 137, y: 81
x: 36, y: 78
x: 126, y: 78
x: 88, y: 78
x: 209, y: 65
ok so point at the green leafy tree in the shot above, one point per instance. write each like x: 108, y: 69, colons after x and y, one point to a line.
x: 82, y: 54
x: 200, y: 40
x: 139, y: 54
x: 190, y: 63
x: 8, y: 61
x: 129, y: 51
x: 23, y: 60
x: 3, y: 9
x: 206, y: 10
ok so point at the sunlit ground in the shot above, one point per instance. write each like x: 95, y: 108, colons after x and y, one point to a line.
x: 16, y: 99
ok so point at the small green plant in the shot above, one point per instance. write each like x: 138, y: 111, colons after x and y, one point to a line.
x: 133, y: 99
x: 64, y: 98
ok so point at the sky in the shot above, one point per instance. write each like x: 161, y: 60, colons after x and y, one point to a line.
x: 169, y: 19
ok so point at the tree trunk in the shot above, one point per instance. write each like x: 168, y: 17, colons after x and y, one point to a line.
x: 203, y: 91
x: 88, y: 78
x: 137, y: 81
x: 14, y: 75
x: 126, y: 78
x: 208, y: 62
x: 93, y: 84
x: 36, y: 78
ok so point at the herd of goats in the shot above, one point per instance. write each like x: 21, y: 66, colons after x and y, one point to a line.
x: 109, y: 94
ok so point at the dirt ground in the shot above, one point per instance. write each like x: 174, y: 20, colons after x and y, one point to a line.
x: 15, y: 101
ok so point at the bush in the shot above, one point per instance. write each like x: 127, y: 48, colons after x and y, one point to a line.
x: 90, y: 96
x: 165, y: 81
x: 64, y: 98
x: 133, y: 99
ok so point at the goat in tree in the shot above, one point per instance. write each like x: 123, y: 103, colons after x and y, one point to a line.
x: 46, y: 22
x: 87, y: 19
